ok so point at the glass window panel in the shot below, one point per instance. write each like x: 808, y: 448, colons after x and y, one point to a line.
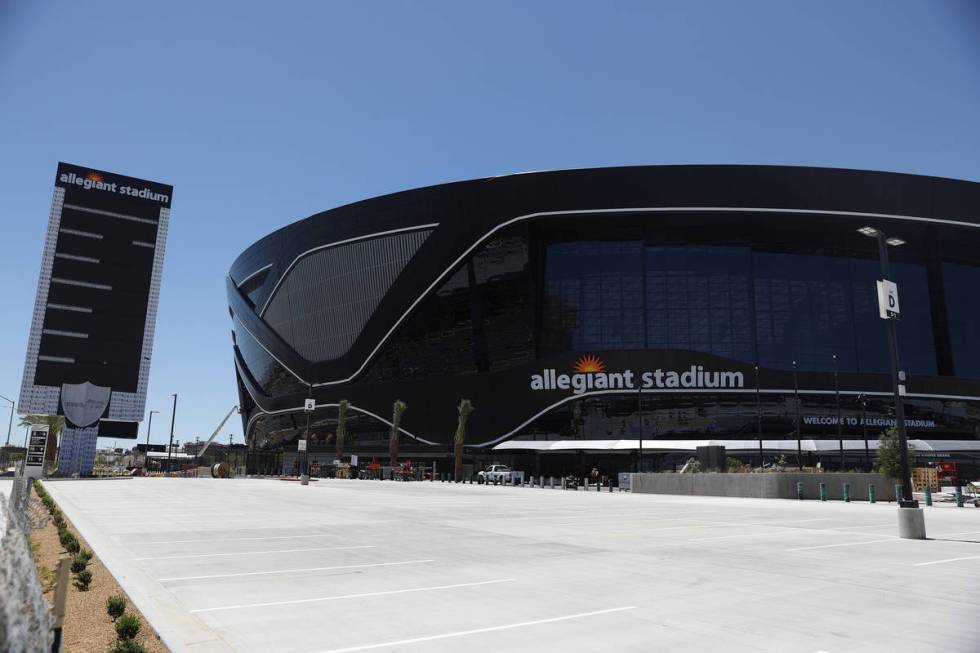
x: 697, y: 299
x: 274, y: 379
x: 962, y: 285
x: 598, y: 288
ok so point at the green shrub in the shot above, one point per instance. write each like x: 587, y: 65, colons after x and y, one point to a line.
x: 65, y: 536
x: 78, y: 563
x: 115, y: 605
x: 127, y: 626
x: 85, y: 553
x: 71, y: 544
x: 127, y: 646
x: 82, y: 580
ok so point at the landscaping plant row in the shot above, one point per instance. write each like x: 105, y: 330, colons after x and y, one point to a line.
x: 127, y: 625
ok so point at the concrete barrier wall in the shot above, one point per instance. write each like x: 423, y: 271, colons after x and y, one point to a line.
x: 770, y: 485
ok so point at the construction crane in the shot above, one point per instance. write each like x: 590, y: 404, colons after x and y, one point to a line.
x: 216, y: 431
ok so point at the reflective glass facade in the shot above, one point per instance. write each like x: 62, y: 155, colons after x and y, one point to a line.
x: 962, y: 284
x: 272, y: 378
x: 743, y: 303
x: 479, y: 319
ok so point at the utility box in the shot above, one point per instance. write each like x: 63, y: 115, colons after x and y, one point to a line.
x: 712, y: 458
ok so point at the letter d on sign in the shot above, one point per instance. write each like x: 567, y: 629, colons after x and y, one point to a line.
x: 888, y: 307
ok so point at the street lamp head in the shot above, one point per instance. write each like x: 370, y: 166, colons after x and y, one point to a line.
x: 870, y: 232
x: 894, y: 242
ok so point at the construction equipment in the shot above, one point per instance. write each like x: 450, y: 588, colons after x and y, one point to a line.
x: 216, y: 431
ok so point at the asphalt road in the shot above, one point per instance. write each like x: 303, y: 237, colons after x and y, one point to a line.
x: 272, y: 566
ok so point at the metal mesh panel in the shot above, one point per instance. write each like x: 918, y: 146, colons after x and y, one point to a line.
x: 329, y: 295
x: 25, y: 620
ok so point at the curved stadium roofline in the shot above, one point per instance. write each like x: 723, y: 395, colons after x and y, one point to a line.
x: 346, y: 303
x: 970, y: 187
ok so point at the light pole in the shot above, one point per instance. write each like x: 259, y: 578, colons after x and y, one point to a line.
x: 863, y: 399
x: 840, y: 436
x: 796, y: 395
x: 639, y: 418
x: 883, y: 243
x: 758, y: 417
x: 304, y: 471
x: 11, y: 422
x: 146, y: 457
x: 170, y: 448
x: 911, y: 522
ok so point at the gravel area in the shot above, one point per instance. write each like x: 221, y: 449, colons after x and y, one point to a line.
x: 87, y: 629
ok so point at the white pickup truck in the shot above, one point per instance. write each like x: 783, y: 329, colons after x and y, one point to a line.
x: 496, y: 474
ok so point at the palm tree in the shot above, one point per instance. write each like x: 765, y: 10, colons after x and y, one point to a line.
x: 397, y: 409
x: 55, y: 422
x: 342, y: 407
x: 465, y: 408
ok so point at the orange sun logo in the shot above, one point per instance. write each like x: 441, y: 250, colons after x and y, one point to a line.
x: 93, y: 176
x: 589, y: 364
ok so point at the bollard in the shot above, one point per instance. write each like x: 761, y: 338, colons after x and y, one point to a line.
x: 551, y: 482
x: 928, y: 496
x: 847, y: 492
x: 823, y: 491
x: 799, y: 491
x: 585, y: 483
x: 898, y: 492
x: 610, y: 485
x: 563, y: 483
x: 871, y: 492
x: 598, y: 485
x: 959, y: 497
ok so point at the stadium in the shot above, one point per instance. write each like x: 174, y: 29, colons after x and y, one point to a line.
x: 616, y: 317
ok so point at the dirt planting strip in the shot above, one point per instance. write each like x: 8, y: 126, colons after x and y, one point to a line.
x: 87, y: 628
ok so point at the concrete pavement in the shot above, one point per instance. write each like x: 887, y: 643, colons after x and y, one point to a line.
x: 262, y: 565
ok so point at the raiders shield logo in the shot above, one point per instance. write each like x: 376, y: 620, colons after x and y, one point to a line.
x: 84, y: 403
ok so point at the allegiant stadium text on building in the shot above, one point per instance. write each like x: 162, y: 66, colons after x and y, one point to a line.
x: 96, y: 182
x: 581, y: 382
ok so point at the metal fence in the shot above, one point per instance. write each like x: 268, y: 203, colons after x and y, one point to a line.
x: 25, y: 619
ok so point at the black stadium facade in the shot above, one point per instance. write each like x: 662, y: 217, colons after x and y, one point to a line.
x: 589, y: 313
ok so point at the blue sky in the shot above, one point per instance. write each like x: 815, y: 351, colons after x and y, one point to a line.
x: 261, y: 114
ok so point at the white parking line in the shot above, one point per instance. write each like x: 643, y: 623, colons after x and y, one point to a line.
x: 236, y: 539
x: 939, y: 562
x: 890, y: 539
x: 476, y: 631
x: 934, y: 537
x: 831, y: 546
x: 790, y: 531
x: 249, y: 553
x: 295, y: 571
x: 355, y: 596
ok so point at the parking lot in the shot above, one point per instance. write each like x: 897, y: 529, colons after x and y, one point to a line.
x: 340, y: 565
